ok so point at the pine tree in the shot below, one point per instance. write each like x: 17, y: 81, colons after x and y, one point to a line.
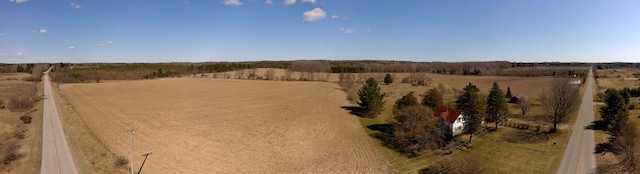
x: 471, y: 105
x: 388, y: 79
x: 496, y: 104
x: 432, y: 99
x: 508, y: 95
x: 371, y: 99
x: 615, y: 110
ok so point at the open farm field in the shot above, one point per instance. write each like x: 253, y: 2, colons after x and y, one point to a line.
x: 227, y: 126
x: 618, y: 78
x: 530, y: 86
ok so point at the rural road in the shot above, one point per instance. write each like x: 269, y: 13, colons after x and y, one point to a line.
x: 579, y: 156
x: 56, y: 157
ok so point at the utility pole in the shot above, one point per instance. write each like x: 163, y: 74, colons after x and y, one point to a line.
x: 145, y: 160
x: 132, y: 158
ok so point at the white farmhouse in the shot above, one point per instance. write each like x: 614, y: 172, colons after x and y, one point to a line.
x: 452, y: 119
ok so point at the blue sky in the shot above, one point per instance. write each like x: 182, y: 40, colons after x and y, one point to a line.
x: 248, y: 30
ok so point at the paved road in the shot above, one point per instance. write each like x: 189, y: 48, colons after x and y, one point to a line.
x: 56, y: 157
x: 579, y: 156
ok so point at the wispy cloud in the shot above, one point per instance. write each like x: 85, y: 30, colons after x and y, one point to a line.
x: 348, y: 31
x: 75, y: 5
x: 71, y: 47
x: 232, y: 2
x: 334, y: 16
x: 1, y: 34
x: 314, y: 15
x: 41, y: 31
x: 19, y: 1
x: 269, y: 2
x: 368, y: 30
x: 309, y: 1
x: 21, y: 54
x: 289, y: 2
x: 108, y: 44
x: 341, y: 28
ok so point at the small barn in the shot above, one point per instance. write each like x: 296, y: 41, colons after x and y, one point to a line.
x: 518, y: 98
x: 452, y: 118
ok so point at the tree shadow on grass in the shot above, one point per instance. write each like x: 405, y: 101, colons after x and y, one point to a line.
x: 602, y: 147
x: 384, y: 133
x: 353, y: 110
x: 597, y: 125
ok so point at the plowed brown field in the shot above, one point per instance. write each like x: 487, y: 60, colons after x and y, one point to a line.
x: 228, y: 126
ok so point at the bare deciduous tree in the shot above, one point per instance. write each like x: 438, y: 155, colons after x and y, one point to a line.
x: 561, y: 99
x: 524, y: 106
x: 288, y: 74
x: 417, y: 129
x: 269, y: 75
x: 240, y: 74
x: 252, y: 74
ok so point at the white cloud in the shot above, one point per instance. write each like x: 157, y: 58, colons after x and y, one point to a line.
x: 43, y: 31
x: 19, y: 1
x: 314, y: 15
x: 341, y: 28
x: 334, y: 16
x: 348, y: 31
x: 232, y: 2
x: 309, y: 1
x: 71, y: 47
x: 34, y: 31
x: 368, y: 30
x: 289, y: 2
x: 76, y: 6
x: 21, y: 54
x: 108, y: 44
x: 269, y: 2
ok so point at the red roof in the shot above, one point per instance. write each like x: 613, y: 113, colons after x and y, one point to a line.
x: 449, y: 114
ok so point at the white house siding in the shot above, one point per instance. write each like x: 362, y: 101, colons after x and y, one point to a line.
x: 458, y: 125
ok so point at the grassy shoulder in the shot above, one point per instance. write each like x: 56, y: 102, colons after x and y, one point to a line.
x: 90, y: 154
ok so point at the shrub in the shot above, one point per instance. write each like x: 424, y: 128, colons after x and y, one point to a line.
x: 634, y: 105
x: 18, y: 132
x: 20, y: 103
x: 32, y: 79
x: 26, y: 119
x: 121, y: 161
x: 9, y: 151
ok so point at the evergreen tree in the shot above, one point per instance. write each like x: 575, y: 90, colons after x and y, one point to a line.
x: 371, y: 99
x: 432, y: 99
x: 471, y: 105
x: 508, y: 95
x: 496, y: 104
x: 388, y: 79
x: 615, y: 110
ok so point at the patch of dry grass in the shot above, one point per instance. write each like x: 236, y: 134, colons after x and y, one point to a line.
x: 16, y: 135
